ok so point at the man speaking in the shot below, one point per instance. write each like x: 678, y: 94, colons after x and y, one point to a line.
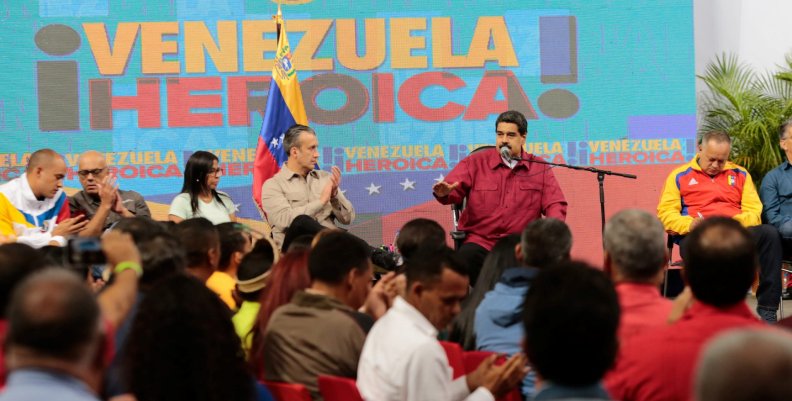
x: 505, y: 190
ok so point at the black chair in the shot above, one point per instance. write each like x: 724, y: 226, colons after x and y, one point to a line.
x: 456, y: 211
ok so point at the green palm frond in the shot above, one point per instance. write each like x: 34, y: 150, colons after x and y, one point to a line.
x: 749, y: 107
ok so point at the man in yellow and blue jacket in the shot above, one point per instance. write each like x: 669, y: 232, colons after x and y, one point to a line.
x: 711, y: 185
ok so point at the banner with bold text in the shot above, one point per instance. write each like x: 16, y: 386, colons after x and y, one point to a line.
x: 398, y: 91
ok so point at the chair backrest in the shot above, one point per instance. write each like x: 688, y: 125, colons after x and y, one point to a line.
x: 472, y: 360
x: 455, y: 360
x: 334, y: 388
x: 287, y: 391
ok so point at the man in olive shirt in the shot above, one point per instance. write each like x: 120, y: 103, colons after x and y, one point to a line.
x: 300, y: 189
x: 103, y: 208
x: 321, y: 332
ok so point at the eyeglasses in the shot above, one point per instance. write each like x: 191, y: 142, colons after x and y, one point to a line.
x: 95, y: 172
x: 216, y: 171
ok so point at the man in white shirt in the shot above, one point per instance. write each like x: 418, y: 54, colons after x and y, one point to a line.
x: 402, y: 359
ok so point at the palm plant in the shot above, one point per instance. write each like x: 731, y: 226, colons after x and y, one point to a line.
x: 749, y: 107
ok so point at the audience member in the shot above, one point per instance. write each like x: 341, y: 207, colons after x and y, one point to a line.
x: 571, y: 315
x: 235, y: 243
x: 323, y: 317
x: 710, y: 185
x: 253, y: 275
x: 502, y: 257
x: 720, y: 263
x: 418, y: 233
x: 199, y: 196
x: 299, y: 188
x: 544, y: 242
x: 183, y: 347
x: 402, y: 359
x: 746, y: 365
x: 198, y: 236
x: 635, y: 256
x: 34, y: 208
x: 100, y: 200
x: 55, y: 339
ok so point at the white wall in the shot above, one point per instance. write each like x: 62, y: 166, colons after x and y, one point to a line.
x: 758, y: 31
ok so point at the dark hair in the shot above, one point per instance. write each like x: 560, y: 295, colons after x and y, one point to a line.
x: 571, y: 315
x: 335, y: 255
x: 513, y: 117
x: 419, y: 233
x: 140, y: 228
x: 289, y: 275
x: 254, y: 264
x: 717, y: 136
x: 720, y: 261
x: 182, y: 346
x: 161, y: 256
x: 53, y: 314
x: 292, y: 135
x: 198, y: 167
x: 427, y: 265
x: 500, y: 258
x: 17, y: 261
x: 232, y: 240
x: 783, y: 128
x: 545, y: 242
x: 197, y: 236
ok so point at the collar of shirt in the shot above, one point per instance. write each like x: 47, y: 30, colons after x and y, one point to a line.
x: 31, y: 377
x: 401, y: 306
x: 552, y: 391
x: 785, y: 165
x: 637, y: 289
x: 314, y: 299
x: 497, y: 160
x: 518, y: 276
x: 291, y: 174
x: 27, y: 192
x: 700, y: 309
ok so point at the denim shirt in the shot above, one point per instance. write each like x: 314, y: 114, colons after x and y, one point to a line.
x: 776, y: 195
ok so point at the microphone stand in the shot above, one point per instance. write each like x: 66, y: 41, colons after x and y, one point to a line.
x: 600, y: 179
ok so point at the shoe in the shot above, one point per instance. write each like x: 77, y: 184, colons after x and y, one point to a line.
x: 767, y: 315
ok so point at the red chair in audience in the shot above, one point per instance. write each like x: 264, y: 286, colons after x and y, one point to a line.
x: 287, y: 391
x: 454, y: 354
x: 472, y: 359
x: 334, y: 388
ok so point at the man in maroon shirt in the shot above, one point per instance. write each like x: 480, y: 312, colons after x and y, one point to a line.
x: 503, y: 194
x: 658, y: 365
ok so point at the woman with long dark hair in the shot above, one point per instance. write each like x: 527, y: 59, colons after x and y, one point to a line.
x: 199, y: 196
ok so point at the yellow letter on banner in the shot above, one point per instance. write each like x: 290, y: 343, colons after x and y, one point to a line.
x: 347, y: 44
x: 502, y: 50
x: 442, y: 48
x: 305, y: 50
x: 223, y: 53
x: 402, y: 43
x: 255, y: 45
x: 111, y: 61
x: 153, y: 47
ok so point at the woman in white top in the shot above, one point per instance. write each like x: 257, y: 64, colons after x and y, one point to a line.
x: 199, y: 196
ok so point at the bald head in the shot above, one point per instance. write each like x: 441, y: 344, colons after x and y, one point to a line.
x: 91, y: 169
x: 53, y: 315
x: 45, y: 172
x: 746, y: 365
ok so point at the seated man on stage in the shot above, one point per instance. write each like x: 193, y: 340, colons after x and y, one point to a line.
x: 300, y: 189
x: 709, y: 186
x: 503, y: 195
x: 100, y: 200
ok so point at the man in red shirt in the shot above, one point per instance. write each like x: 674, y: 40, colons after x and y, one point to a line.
x: 635, y: 254
x: 720, y: 262
x: 503, y: 194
